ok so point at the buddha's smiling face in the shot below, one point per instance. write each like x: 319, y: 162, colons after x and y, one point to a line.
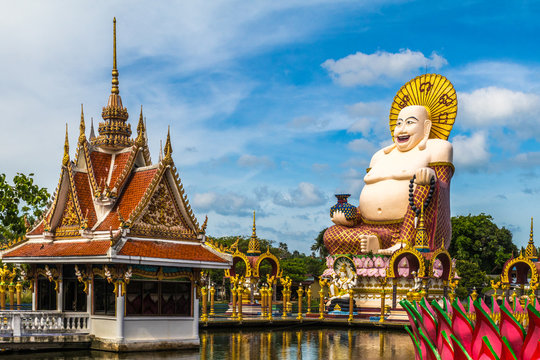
x: 411, y: 126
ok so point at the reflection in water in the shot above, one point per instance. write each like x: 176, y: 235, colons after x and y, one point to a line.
x: 305, y: 344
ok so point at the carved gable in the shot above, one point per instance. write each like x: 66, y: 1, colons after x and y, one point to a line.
x: 70, y: 222
x: 162, y: 217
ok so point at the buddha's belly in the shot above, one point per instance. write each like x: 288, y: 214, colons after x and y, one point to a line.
x: 384, y: 200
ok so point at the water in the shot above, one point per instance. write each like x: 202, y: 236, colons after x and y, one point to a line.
x: 247, y: 344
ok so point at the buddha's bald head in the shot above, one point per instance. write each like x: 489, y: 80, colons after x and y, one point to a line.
x: 412, y: 128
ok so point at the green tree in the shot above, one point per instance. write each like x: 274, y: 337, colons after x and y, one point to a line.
x: 471, y: 277
x: 318, y: 246
x: 20, y: 200
x: 477, y: 239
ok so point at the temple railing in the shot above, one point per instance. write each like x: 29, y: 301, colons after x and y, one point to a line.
x: 27, y: 323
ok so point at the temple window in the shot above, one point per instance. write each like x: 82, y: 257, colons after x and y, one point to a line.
x: 74, y: 295
x: 46, y: 294
x: 104, y: 297
x: 158, y: 298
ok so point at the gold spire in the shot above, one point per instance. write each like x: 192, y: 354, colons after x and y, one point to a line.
x: 82, y: 127
x: 140, y: 130
x: 254, y: 247
x: 168, y: 147
x: 115, y: 82
x: 421, y: 241
x: 92, y: 133
x: 114, y: 132
x: 65, y: 159
x: 530, y: 251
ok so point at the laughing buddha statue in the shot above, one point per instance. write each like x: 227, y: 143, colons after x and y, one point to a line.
x: 407, y: 179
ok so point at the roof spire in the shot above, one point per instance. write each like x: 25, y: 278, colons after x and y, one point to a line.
x: 92, y: 133
x: 160, y: 150
x: 115, y: 82
x: 254, y: 247
x: 168, y: 147
x: 82, y: 127
x: 530, y: 251
x: 421, y: 241
x: 141, y: 129
x: 65, y: 159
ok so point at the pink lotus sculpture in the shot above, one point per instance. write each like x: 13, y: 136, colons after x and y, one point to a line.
x: 448, y: 333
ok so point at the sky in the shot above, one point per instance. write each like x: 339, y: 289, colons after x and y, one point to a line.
x: 274, y: 107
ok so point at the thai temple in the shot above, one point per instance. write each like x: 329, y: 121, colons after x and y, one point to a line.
x: 119, y: 250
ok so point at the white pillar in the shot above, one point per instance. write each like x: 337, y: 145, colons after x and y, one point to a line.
x: 34, y: 295
x: 120, y: 314
x: 89, y: 306
x: 195, y: 313
x: 60, y: 296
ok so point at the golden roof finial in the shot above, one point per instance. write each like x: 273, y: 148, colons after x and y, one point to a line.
x: 65, y: 159
x: 168, y: 147
x: 421, y: 241
x: 114, y: 89
x: 92, y: 133
x: 140, y: 130
x: 254, y: 247
x: 82, y: 127
x: 530, y: 251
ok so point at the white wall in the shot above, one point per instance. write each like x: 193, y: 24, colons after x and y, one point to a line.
x: 159, y: 328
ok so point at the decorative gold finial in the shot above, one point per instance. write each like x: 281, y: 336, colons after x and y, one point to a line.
x: 168, y: 147
x: 530, y: 251
x: 421, y: 241
x: 115, y: 82
x: 65, y: 159
x: 140, y: 130
x: 204, y: 225
x: 82, y: 127
x: 254, y: 247
x: 92, y: 133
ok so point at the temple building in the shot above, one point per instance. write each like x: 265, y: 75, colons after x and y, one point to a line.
x: 119, y: 245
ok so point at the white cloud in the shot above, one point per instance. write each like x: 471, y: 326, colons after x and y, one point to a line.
x: 305, y: 195
x: 377, y: 68
x: 470, y: 151
x: 247, y: 160
x: 491, y: 106
x: 224, y: 204
x: 362, y: 146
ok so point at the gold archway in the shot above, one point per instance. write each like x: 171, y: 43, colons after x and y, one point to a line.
x: 238, y: 255
x: 273, y: 258
x: 398, y: 254
x: 519, y: 260
x: 438, y: 253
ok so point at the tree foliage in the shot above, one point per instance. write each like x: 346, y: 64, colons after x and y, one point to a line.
x: 471, y: 277
x: 477, y: 239
x: 21, y: 199
x: 318, y: 246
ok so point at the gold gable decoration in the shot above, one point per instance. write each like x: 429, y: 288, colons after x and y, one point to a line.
x: 437, y: 94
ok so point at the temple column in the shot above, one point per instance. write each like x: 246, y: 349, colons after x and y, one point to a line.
x: 89, y: 303
x: 60, y: 296
x: 195, y: 312
x: 120, y: 306
x: 34, y: 294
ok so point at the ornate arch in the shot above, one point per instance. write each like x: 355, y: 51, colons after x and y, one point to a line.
x: 273, y: 259
x: 398, y: 255
x: 447, y: 263
x: 238, y: 256
x: 520, y: 260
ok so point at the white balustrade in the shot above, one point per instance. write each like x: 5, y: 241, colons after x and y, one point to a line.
x: 17, y: 323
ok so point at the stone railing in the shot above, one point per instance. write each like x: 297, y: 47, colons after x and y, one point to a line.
x: 27, y: 323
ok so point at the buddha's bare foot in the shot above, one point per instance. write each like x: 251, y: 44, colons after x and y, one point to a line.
x: 391, y: 249
x: 369, y: 243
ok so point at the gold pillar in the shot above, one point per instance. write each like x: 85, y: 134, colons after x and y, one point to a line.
x: 233, y: 295
x: 284, y: 294
x: 300, y: 292
x: 321, y: 299
x: 239, y: 293
x: 269, y: 304
x: 2, y: 296
x: 204, y: 294
x: 308, y: 292
x: 212, y: 300
x: 11, y: 288
x: 18, y: 288
x: 351, y: 305
x: 383, y: 300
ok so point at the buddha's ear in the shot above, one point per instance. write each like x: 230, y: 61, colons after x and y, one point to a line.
x: 427, y: 131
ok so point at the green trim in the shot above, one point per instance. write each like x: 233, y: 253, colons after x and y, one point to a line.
x: 508, y: 347
x: 478, y: 307
x: 485, y: 340
x: 458, y: 343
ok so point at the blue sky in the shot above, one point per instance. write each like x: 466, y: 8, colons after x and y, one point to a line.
x: 275, y: 107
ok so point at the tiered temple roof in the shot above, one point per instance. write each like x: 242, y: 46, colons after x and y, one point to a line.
x: 112, y: 204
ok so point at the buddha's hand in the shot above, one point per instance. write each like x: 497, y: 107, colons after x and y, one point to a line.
x: 339, y: 218
x: 424, y: 175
